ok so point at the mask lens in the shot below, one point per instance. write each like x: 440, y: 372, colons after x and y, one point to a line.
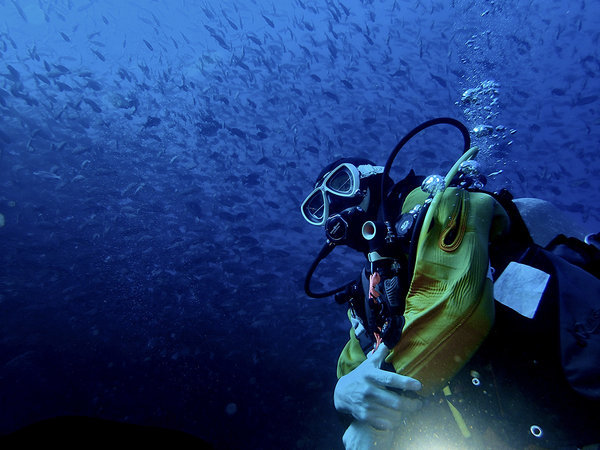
x: 341, y: 182
x: 314, y: 207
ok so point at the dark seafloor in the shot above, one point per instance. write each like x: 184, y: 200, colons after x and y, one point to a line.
x: 153, y: 156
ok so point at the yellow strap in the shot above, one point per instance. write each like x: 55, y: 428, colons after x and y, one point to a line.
x: 457, y: 415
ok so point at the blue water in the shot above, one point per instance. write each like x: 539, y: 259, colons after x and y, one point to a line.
x: 153, y: 156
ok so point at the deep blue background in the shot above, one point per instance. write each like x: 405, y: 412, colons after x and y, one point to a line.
x: 153, y: 155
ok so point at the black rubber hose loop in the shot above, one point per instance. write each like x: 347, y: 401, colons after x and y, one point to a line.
x: 408, y: 137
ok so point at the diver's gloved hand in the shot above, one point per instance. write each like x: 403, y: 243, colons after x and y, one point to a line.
x: 362, y: 436
x: 364, y: 393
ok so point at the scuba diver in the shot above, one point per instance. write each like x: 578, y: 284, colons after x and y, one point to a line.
x: 457, y: 307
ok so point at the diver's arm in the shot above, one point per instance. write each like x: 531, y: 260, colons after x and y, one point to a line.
x: 364, y: 393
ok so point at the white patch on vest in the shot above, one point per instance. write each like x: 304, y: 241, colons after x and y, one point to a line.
x: 520, y: 287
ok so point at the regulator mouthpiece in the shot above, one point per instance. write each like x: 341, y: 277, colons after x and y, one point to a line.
x: 345, y: 228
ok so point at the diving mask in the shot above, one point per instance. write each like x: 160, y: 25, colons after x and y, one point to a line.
x: 335, y: 191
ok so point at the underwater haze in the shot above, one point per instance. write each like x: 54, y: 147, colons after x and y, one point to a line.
x: 153, y: 157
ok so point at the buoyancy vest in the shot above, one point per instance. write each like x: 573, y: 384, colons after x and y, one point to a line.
x: 449, y: 306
